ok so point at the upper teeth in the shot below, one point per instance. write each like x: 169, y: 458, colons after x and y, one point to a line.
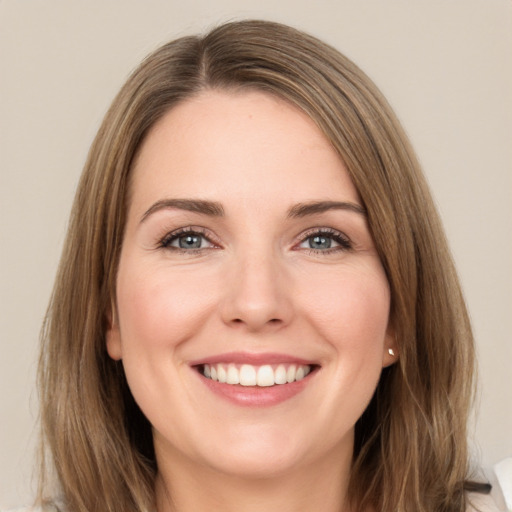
x: 249, y: 375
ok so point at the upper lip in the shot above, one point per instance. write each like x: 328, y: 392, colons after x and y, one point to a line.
x: 255, y: 359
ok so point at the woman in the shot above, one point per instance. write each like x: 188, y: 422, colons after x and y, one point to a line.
x: 256, y: 307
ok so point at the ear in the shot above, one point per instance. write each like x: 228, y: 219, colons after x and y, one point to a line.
x: 390, y: 349
x: 113, y: 335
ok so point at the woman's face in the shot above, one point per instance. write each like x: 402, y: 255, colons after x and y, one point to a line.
x: 247, y: 258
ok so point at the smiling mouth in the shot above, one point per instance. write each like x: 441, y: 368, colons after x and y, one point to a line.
x: 266, y: 375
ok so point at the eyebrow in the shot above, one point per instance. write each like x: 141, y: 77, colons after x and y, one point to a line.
x: 314, y: 207
x: 215, y: 209
x: 204, y: 207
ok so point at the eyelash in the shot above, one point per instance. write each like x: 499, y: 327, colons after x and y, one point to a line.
x: 165, y: 242
x: 344, y: 243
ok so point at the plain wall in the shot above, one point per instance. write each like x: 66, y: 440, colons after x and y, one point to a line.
x: 445, y: 66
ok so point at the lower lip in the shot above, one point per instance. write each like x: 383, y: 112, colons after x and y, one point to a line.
x: 256, y: 396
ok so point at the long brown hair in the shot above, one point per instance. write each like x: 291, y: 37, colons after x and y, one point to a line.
x: 410, y: 451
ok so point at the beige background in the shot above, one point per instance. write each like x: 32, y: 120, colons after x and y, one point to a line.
x: 445, y: 65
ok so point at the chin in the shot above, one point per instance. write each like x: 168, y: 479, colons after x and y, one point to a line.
x: 260, y: 453
x: 256, y: 467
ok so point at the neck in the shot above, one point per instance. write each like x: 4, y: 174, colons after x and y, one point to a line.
x: 183, y: 487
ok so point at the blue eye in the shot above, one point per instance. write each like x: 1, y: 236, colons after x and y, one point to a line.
x: 186, y: 240
x: 191, y: 241
x: 325, y: 241
x: 319, y: 242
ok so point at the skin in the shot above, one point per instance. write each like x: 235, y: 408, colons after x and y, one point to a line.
x: 255, y: 286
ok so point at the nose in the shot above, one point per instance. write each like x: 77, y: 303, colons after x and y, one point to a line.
x: 258, y: 292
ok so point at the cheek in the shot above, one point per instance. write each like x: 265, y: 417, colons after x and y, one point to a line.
x: 351, y: 309
x: 348, y: 309
x: 161, y: 308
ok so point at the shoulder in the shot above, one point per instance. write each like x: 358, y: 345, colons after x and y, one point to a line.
x: 482, y: 503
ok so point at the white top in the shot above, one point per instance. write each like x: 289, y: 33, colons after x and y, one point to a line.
x: 483, y: 503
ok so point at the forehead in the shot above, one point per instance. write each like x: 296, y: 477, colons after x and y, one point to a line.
x: 245, y: 143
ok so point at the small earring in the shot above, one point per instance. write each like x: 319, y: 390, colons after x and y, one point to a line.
x: 391, y: 352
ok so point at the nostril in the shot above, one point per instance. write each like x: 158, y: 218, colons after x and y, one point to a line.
x: 271, y: 321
